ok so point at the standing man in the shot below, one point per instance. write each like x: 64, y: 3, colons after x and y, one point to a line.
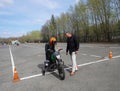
x: 72, y: 48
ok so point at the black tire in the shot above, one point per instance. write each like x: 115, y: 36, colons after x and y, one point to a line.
x: 61, y: 72
x: 43, y: 71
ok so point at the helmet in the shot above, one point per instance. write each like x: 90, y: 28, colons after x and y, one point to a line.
x: 53, y: 40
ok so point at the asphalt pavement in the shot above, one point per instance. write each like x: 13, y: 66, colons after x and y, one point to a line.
x: 96, y: 71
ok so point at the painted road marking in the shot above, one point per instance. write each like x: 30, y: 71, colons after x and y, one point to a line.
x: 101, y: 46
x: 30, y: 77
x: 91, y: 55
x: 12, y: 60
x: 33, y: 76
x: 115, y: 47
x: 84, y: 54
x: 116, y: 56
x: 28, y: 46
x: 92, y: 47
x: 95, y: 56
x: 31, y: 46
x: 80, y: 65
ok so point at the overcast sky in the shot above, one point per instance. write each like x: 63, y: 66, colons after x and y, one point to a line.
x: 17, y: 17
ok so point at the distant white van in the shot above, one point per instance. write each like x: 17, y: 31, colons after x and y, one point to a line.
x: 15, y: 42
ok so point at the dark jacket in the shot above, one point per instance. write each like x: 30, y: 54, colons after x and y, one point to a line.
x: 49, y: 52
x: 48, y: 46
x: 72, y: 44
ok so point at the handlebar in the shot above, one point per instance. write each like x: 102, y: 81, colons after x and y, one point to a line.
x: 57, y: 50
x: 60, y: 49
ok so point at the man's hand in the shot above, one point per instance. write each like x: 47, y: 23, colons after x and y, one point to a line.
x: 76, y: 52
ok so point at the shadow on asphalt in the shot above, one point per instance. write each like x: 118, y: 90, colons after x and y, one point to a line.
x: 40, y: 66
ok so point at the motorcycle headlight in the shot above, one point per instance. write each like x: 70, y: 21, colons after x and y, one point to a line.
x: 58, y: 56
x: 46, y: 64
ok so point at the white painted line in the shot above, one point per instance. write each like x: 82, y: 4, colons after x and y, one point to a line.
x: 87, y: 46
x: 80, y: 65
x: 93, y: 46
x: 47, y: 73
x: 84, y: 54
x: 31, y: 46
x: 27, y: 45
x: 92, y: 55
x: 114, y: 47
x: 12, y: 60
x: 95, y: 56
x: 93, y: 62
x: 30, y: 77
x: 116, y: 56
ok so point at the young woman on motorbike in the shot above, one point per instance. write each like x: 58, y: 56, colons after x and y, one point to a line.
x: 50, y: 48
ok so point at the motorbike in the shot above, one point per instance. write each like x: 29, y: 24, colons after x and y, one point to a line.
x: 56, y: 64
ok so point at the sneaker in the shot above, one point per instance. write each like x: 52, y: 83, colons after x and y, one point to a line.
x: 76, y: 68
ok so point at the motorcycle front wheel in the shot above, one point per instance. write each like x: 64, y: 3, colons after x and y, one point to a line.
x: 61, y: 72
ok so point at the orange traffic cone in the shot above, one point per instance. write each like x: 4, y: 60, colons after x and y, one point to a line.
x: 15, y: 76
x: 110, y: 54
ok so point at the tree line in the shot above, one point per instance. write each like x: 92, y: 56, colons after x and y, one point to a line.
x: 90, y: 21
x: 30, y: 37
x: 33, y: 36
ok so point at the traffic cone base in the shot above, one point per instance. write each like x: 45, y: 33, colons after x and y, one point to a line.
x: 16, y: 76
x: 110, y: 55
